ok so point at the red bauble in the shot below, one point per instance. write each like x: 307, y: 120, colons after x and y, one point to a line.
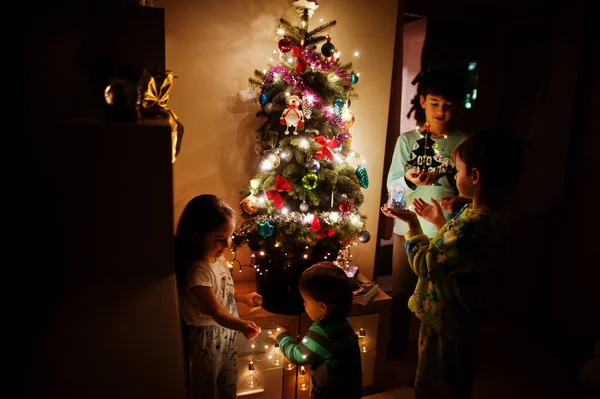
x: 345, y: 207
x: 284, y: 45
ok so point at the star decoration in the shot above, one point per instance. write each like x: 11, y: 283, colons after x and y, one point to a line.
x: 265, y: 229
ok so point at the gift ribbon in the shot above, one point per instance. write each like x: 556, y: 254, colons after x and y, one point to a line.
x: 321, y: 232
x: 324, y: 151
x: 301, y: 64
x: 159, y: 98
x: 281, y: 184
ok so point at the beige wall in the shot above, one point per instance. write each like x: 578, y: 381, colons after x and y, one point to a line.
x: 214, y: 47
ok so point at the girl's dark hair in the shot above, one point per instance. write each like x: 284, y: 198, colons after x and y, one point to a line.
x: 202, y: 215
x: 487, y: 151
x: 327, y: 283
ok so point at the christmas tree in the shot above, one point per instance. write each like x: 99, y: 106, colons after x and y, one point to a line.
x: 302, y: 206
x: 425, y: 156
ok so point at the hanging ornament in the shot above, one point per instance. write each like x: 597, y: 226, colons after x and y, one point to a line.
x: 353, y: 78
x: 304, y: 206
x: 306, y: 107
x: 263, y: 99
x: 310, y: 181
x: 284, y: 45
x: 281, y: 184
x: 338, y: 106
x: 250, y: 204
x: 265, y: 229
x: 348, y: 118
x: 345, y: 208
x: 313, y: 166
x: 363, y: 177
x: 328, y: 48
x: 292, y: 116
x: 268, y: 108
x: 270, y: 160
x: 364, y: 236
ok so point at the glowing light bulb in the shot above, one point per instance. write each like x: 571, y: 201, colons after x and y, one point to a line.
x: 303, y: 380
x: 334, y: 216
x: 363, y: 342
x: 251, y: 377
x: 287, y: 364
x: 276, y: 356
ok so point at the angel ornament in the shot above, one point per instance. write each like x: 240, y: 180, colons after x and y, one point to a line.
x: 292, y: 116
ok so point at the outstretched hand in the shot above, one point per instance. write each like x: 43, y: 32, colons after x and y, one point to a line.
x: 250, y: 329
x: 432, y: 213
x: 402, y: 214
x: 452, y: 203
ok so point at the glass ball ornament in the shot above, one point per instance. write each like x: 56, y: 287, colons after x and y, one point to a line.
x: 364, y: 236
x: 310, y: 181
x: 345, y: 208
x: 122, y: 99
x: 250, y: 204
x: 313, y: 165
x: 353, y: 78
x: 328, y: 49
x: 348, y: 118
x: 270, y: 160
x: 304, y: 207
x: 284, y: 45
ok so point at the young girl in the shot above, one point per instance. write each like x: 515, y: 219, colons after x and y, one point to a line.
x: 207, y: 297
x: 457, y: 268
x: 330, y: 346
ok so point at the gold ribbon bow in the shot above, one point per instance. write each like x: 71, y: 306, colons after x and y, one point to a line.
x: 159, y: 98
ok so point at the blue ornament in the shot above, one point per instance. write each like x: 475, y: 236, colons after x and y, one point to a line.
x: 265, y: 229
x: 363, y: 177
x: 353, y: 78
x: 263, y: 99
x: 313, y: 165
x: 338, y: 106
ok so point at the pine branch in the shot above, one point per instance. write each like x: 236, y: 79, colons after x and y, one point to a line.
x: 290, y: 29
x: 346, y: 67
x: 321, y: 28
x: 315, y: 40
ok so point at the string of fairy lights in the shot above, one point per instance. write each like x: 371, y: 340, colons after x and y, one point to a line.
x: 252, y: 377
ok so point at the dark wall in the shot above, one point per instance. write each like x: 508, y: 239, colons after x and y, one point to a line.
x: 538, y: 79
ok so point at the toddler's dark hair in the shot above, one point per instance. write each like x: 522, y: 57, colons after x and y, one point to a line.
x: 328, y: 283
x: 202, y: 215
x: 487, y: 151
